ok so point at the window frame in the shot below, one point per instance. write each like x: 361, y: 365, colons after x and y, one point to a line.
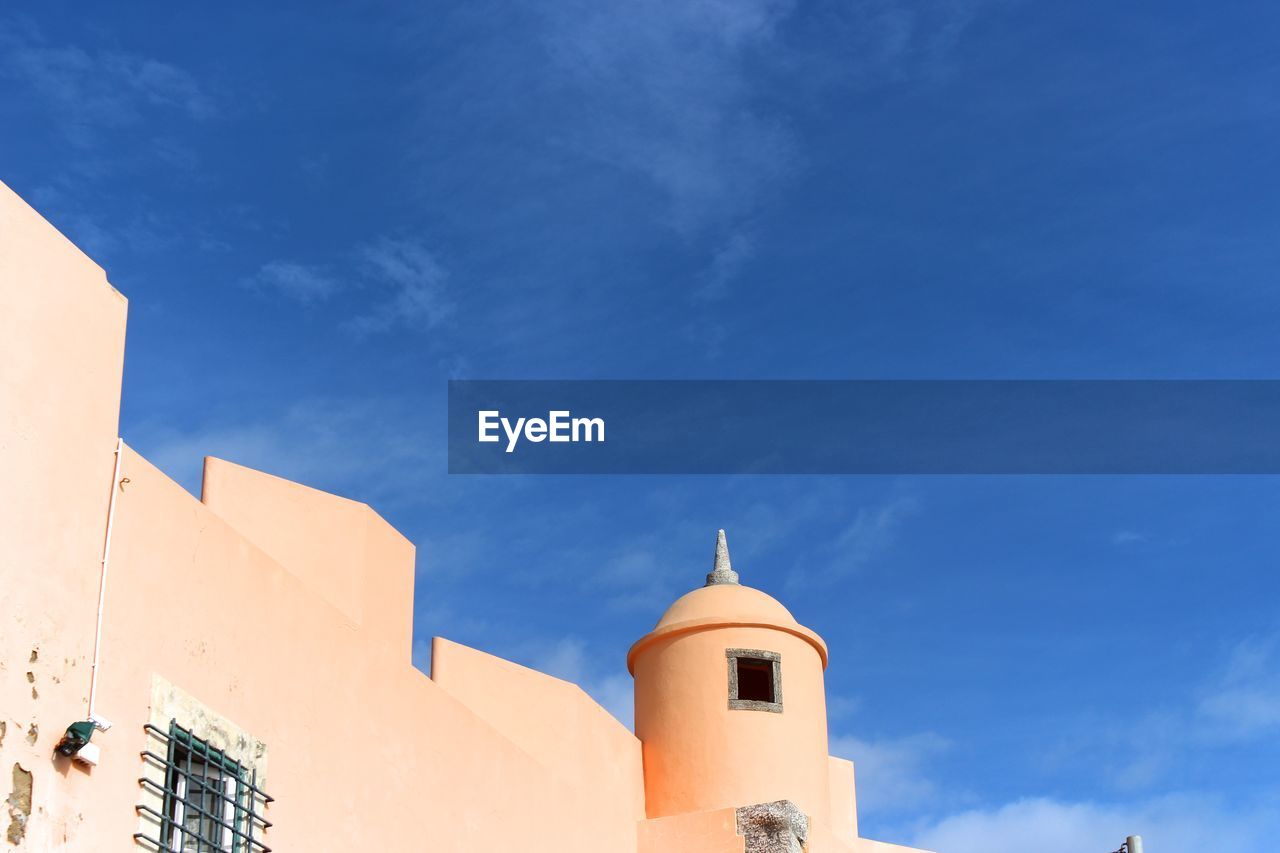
x: 732, y: 656
x: 231, y: 803
x: 231, y: 789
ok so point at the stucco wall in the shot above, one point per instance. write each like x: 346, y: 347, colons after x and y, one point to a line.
x: 701, y: 755
x: 281, y: 608
x: 279, y: 619
x: 553, y: 721
x: 844, y: 814
x: 713, y: 831
x: 61, y: 357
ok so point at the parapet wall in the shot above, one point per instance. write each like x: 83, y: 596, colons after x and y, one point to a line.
x: 276, y: 621
x: 281, y: 612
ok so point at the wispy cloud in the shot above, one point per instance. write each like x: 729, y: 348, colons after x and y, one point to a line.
x: 872, y: 43
x: 397, y: 282
x: 370, y: 450
x: 296, y: 281
x: 412, y: 281
x: 686, y: 114
x: 874, y: 528
x: 726, y: 264
x: 1237, y: 705
x: 87, y: 90
x: 700, y: 98
x: 842, y: 707
x: 633, y: 577
x: 1244, y: 700
x: 870, y: 533
x: 664, y: 90
x: 566, y: 658
x: 1183, y: 823
x: 893, y: 773
x: 140, y: 230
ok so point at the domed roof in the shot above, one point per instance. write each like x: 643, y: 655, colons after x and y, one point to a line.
x: 724, y: 602
x: 727, y: 601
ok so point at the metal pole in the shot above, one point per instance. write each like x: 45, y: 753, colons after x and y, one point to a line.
x: 1133, y: 844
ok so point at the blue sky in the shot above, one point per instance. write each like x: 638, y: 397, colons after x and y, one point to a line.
x: 321, y: 212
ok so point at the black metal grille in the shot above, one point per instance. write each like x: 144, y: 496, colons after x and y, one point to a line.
x: 212, y: 803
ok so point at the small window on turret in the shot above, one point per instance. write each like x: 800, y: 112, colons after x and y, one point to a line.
x: 755, y: 680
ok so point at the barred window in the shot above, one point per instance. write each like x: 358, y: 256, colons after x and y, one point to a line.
x: 211, y: 801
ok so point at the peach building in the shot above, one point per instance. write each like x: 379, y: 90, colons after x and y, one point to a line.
x: 233, y: 673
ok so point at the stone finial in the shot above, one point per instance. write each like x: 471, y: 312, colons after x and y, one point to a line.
x: 722, y: 571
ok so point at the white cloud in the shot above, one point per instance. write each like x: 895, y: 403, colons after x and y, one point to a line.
x: 842, y: 707
x: 1243, y: 702
x: 414, y: 284
x: 664, y: 91
x: 874, y: 528
x: 566, y: 659
x: 1186, y: 823
x: 892, y: 773
x: 159, y: 83
x: 297, y: 281
x: 346, y: 446
x: 1235, y: 707
x: 684, y: 93
x: 634, y: 579
x: 878, y: 42
x: 406, y: 285
x: 616, y: 694
x: 726, y: 264
x: 89, y: 90
x: 870, y: 533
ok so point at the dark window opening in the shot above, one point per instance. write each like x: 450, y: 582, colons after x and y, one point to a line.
x: 755, y: 680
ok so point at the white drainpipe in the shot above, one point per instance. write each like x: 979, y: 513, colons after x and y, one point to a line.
x: 116, y: 486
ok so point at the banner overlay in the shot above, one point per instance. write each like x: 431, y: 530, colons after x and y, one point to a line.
x: 864, y: 427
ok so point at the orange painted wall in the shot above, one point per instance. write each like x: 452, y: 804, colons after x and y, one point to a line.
x: 700, y: 756
x: 844, y: 815
x: 284, y: 609
x: 553, y: 721
x: 289, y: 612
x: 705, y: 832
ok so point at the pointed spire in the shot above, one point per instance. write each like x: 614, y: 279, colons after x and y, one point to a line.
x: 722, y: 571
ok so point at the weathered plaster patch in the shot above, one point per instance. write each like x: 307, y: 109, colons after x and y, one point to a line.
x: 3, y: 727
x: 777, y: 827
x: 32, y: 734
x: 172, y: 703
x: 19, y: 804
